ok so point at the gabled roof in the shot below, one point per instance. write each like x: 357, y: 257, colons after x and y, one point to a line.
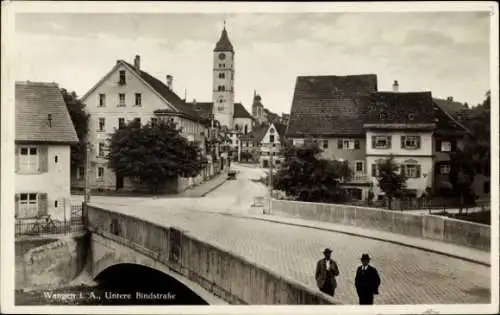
x: 281, y: 130
x: 35, y: 101
x: 330, y: 105
x: 449, y: 105
x: 166, y: 93
x: 447, y: 124
x: 396, y: 108
x: 206, y: 108
x: 224, y: 44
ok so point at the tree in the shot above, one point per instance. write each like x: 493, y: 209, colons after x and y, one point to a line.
x: 155, y: 154
x: 80, y: 121
x: 390, y: 180
x: 309, y: 178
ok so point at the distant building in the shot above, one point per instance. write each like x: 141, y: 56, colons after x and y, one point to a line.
x: 126, y: 93
x: 271, y: 143
x: 44, y: 133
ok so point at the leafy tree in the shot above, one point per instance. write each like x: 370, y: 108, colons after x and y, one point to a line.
x: 390, y: 180
x: 155, y: 154
x: 309, y: 178
x: 80, y: 121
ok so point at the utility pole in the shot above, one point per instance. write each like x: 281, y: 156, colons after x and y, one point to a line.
x: 270, y: 180
x: 88, y: 151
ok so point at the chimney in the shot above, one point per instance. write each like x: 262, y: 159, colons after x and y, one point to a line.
x: 137, y: 62
x: 169, y: 81
x: 449, y: 98
x: 395, y: 86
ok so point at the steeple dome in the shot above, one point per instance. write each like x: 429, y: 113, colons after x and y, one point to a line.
x: 224, y: 44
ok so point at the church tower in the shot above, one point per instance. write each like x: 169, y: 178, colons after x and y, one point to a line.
x: 223, y: 81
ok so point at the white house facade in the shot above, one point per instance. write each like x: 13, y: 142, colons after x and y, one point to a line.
x: 44, y: 133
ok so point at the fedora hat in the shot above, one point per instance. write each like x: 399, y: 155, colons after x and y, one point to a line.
x: 327, y: 250
x: 365, y: 257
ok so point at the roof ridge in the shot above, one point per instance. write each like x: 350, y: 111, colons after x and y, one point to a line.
x: 28, y: 82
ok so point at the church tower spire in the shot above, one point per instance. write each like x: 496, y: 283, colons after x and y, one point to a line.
x: 223, y: 80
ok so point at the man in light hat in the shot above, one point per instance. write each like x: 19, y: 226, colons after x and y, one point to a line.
x: 326, y: 271
x: 367, y: 281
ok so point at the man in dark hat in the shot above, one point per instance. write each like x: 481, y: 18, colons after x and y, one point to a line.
x: 367, y: 281
x: 326, y: 271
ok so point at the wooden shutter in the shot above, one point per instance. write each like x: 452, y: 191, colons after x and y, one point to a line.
x: 17, y: 156
x: 389, y: 142
x: 356, y: 144
x: 403, y: 140
x: 419, y: 141
x: 374, y: 141
x: 43, y: 161
x: 374, y: 170
x: 339, y: 144
x: 418, y: 171
x: 438, y: 145
x: 42, y: 204
x: 17, y: 205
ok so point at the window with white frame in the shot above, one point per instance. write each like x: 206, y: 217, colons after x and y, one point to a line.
x: 122, y: 77
x: 154, y: 122
x: 375, y: 170
x: 445, y: 146
x: 444, y: 169
x: 271, y: 138
x: 102, y: 100
x: 411, y: 169
x: 101, y: 149
x: 410, y: 142
x: 325, y: 144
x: 102, y: 125
x: 359, y: 166
x: 27, y: 205
x: 121, y: 99
x: 100, y: 173
x: 121, y: 123
x: 381, y: 142
x: 138, y: 99
x: 348, y: 144
x: 28, y: 159
x: 80, y: 173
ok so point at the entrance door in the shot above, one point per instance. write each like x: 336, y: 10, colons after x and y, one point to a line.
x: 119, y: 182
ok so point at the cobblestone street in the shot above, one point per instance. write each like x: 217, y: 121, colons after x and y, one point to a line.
x: 409, y: 276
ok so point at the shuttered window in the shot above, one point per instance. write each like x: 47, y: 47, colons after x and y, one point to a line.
x: 31, y: 205
x: 410, y: 142
x: 411, y: 170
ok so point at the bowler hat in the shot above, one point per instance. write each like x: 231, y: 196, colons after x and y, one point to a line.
x: 327, y: 250
x: 365, y: 257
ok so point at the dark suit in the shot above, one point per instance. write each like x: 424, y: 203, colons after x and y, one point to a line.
x: 367, y: 283
x: 325, y: 279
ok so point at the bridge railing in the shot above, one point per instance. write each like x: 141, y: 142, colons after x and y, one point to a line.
x: 231, y: 277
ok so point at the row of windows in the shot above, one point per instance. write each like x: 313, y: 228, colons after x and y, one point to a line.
x: 410, y: 170
x: 121, y: 99
x: 80, y: 174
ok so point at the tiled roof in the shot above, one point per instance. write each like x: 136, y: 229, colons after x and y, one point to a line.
x: 167, y: 94
x: 415, y: 108
x: 205, y: 109
x: 224, y: 44
x: 330, y: 105
x: 240, y: 111
x: 446, y: 124
x: 281, y: 130
x: 449, y: 106
x: 34, y: 102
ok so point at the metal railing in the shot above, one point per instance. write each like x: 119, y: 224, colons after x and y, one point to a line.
x: 45, y: 225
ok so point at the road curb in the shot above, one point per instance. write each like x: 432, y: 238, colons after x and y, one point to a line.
x: 214, y: 188
x: 368, y: 236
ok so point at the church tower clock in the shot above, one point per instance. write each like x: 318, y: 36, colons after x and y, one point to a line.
x: 223, y: 81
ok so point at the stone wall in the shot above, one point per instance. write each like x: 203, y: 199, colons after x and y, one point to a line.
x: 224, y: 274
x: 439, y: 228
x: 52, y: 264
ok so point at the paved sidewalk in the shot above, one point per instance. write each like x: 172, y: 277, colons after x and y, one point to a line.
x: 204, y: 188
x: 447, y: 249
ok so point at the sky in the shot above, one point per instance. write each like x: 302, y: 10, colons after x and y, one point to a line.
x: 446, y: 53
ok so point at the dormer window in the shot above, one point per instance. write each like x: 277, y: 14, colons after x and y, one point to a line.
x: 122, y: 77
